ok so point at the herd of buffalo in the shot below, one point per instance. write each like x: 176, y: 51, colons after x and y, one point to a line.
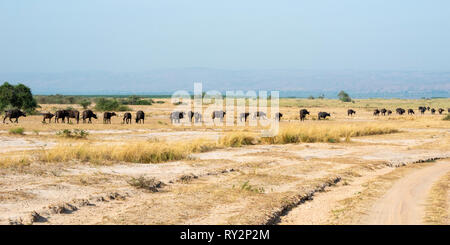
x: 402, y: 111
x: 176, y: 116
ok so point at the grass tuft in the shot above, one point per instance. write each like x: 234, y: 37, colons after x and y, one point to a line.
x: 18, y: 131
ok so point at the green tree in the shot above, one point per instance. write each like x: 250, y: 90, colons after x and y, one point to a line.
x: 85, y: 103
x: 344, y: 97
x: 18, y: 96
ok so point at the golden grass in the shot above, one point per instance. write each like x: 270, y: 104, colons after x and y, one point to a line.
x: 309, y: 134
x: 156, y: 152
x: 436, y: 208
x: 15, y: 161
x: 142, y: 152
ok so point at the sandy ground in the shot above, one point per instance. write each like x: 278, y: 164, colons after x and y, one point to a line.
x: 404, y: 203
x: 282, y: 170
x: 261, y: 184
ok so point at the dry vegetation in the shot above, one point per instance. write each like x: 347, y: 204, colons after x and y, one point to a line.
x: 437, y: 206
x: 208, y: 174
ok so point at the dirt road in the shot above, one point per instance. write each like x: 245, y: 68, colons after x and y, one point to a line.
x: 404, y: 203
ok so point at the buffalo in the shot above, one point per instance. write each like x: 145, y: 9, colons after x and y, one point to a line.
x: 197, y: 117
x: 278, y: 116
x: 73, y: 114
x: 218, y: 114
x: 383, y: 111
x: 389, y: 112
x: 422, y: 110
x: 350, y: 112
x: 244, y: 116
x: 410, y: 112
x: 176, y: 116
x: 441, y: 110
x: 400, y: 111
x: 323, y: 115
x: 433, y: 111
x: 190, y: 115
x: 140, y: 116
x: 61, y: 114
x: 376, y: 112
x: 303, y: 113
x: 259, y: 114
x: 14, y: 113
x: 88, y: 114
x: 107, y: 117
x: 48, y: 116
x: 127, y: 118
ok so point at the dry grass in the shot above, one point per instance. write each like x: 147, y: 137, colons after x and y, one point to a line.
x: 437, y: 206
x: 143, y: 152
x: 331, y: 133
x: 15, y: 161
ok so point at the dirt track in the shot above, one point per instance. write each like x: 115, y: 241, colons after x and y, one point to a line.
x: 403, y: 204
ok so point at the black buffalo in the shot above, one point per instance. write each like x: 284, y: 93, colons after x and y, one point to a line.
x: 303, y: 113
x: 73, y: 114
x: 140, y: 116
x: 441, y: 110
x: 278, y: 116
x: 107, y: 117
x: 400, y: 111
x: 376, y: 112
x: 323, y: 115
x: 350, y: 112
x: 48, y: 116
x: 433, y: 110
x: 383, y: 111
x: 61, y: 114
x: 176, y: 116
x: 244, y: 116
x: 88, y: 114
x: 197, y: 116
x: 422, y: 109
x: 190, y: 115
x: 127, y: 118
x: 259, y: 114
x: 410, y: 112
x: 14, y: 113
x: 218, y: 114
x: 389, y: 112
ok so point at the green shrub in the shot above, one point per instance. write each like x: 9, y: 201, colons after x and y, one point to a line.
x: 17, y: 131
x: 76, y: 133
x: 446, y: 118
x: 103, y: 104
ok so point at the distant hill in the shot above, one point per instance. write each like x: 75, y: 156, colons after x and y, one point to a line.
x: 300, y: 83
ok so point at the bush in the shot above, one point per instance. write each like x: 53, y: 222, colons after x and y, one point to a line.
x: 344, y: 97
x: 124, y: 108
x: 446, y: 118
x: 18, y: 96
x: 17, y: 131
x: 76, y: 133
x: 103, y: 104
x: 85, y: 103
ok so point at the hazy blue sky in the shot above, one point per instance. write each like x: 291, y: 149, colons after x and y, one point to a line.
x: 86, y: 35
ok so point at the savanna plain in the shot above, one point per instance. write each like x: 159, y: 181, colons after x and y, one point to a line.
x: 360, y: 169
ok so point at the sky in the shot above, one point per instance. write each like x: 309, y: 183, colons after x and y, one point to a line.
x: 137, y: 36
